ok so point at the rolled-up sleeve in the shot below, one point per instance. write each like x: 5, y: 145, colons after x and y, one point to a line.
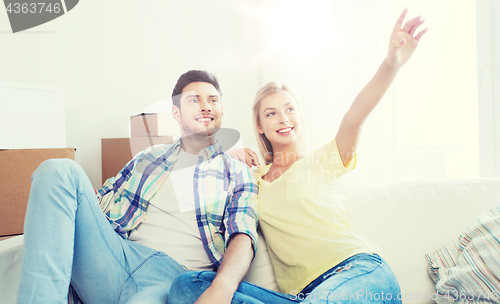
x: 241, y: 214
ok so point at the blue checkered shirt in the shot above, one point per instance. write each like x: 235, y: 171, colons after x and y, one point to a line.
x: 225, y: 194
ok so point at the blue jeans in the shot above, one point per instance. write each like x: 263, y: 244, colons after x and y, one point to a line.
x: 189, y: 286
x: 363, y: 278
x: 67, y: 239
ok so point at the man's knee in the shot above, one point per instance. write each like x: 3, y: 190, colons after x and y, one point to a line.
x: 56, y: 166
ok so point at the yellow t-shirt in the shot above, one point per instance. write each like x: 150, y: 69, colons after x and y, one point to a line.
x: 303, y: 217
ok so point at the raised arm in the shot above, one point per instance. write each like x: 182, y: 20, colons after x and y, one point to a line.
x: 401, y: 47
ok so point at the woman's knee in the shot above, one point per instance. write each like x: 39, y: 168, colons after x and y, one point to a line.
x: 191, y: 279
x: 188, y: 287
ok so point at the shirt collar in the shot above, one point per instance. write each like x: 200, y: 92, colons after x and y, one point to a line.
x: 208, y: 152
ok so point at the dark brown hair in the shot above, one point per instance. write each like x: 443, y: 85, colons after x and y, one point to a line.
x: 189, y: 77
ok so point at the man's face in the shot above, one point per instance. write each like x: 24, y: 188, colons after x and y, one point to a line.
x: 200, y: 111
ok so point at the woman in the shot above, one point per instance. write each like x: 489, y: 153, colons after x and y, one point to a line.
x: 316, y: 255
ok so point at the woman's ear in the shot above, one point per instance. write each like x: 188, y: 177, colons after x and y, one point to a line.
x: 259, y: 128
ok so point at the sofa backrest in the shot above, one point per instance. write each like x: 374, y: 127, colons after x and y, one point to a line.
x: 408, y: 220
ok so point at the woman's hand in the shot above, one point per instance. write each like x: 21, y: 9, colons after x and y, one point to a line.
x: 401, y: 48
x: 403, y: 42
x: 245, y: 155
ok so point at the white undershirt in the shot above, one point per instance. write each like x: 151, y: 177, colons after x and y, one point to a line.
x: 171, y: 224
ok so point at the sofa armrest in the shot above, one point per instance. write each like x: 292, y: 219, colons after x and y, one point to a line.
x: 10, y: 268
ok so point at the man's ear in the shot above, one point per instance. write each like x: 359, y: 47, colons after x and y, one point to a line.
x: 221, y: 111
x: 176, y: 113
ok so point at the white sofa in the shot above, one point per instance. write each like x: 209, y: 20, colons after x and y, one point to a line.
x: 406, y: 220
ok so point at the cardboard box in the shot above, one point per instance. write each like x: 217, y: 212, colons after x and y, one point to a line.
x: 150, y: 124
x: 16, y: 168
x: 117, y: 152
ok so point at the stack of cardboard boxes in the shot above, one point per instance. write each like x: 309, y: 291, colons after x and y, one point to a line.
x: 17, y: 165
x: 147, y: 129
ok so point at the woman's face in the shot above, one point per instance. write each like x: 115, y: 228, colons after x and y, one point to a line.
x: 279, y: 118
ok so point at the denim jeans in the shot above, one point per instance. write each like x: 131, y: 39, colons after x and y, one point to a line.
x: 189, y: 286
x: 363, y: 278
x: 67, y: 239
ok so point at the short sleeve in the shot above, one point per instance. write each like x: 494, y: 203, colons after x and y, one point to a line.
x: 352, y: 163
x: 328, y: 158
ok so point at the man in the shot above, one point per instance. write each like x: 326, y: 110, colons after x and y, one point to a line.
x: 149, y: 233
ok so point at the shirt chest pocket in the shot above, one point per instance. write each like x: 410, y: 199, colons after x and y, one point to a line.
x: 214, y: 186
x: 213, y: 193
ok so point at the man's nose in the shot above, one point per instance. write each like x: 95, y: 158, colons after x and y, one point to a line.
x: 204, y: 105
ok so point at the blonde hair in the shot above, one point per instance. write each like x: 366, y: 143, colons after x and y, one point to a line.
x: 271, y: 88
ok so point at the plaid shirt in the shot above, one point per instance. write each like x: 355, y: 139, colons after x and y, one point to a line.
x: 225, y: 194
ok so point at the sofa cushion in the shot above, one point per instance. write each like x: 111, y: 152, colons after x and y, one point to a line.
x: 261, y: 271
x: 409, y: 220
x: 11, y: 253
x: 468, y: 268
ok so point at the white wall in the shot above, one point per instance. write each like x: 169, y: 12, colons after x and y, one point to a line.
x: 114, y: 58
x: 488, y: 40
x: 31, y: 116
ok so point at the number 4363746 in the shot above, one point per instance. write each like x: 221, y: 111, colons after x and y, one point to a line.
x: 33, y: 8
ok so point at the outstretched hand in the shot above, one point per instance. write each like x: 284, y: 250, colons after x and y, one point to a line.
x: 403, y: 42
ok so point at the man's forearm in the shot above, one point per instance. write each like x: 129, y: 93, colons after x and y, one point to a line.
x: 236, y: 261
x: 234, y: 266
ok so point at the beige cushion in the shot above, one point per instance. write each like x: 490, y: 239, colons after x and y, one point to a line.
x: 11, y: 253
x: 409, y: 220
x: 261, y: 271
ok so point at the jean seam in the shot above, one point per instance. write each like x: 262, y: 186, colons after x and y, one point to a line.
x: 282, y: 295
x: 341, y: 265
x: 243, y: 301
x: 197, y: 278
x: 100, y: 234
x: 123, y: 287
x: 357, y: 276
x: 362, y: 274
x: 154, y: 254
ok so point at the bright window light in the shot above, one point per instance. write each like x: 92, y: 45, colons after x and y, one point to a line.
x: 426, y: 126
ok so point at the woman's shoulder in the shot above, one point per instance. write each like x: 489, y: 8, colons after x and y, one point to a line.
x: 328, y: 154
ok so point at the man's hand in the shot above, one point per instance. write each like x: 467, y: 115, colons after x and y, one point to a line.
x: 216, y: 295
x: 402, y: 43
x: 234, y: 266
x: 245, y: 155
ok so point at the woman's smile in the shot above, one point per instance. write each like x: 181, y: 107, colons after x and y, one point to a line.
x: 285, y: 131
